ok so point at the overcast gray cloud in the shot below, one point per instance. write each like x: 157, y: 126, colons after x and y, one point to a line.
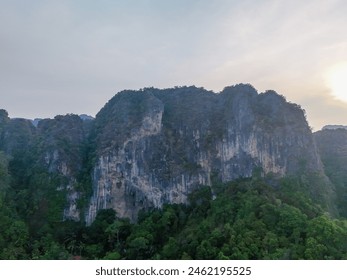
x: 59, y: 57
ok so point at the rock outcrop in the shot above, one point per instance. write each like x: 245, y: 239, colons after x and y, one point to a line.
x: 156, y: 146
x: 150, y: 147
x: 332, y: 146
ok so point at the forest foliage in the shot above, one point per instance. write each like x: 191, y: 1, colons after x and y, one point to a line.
x: 244, y: 219
x: 254, y: 218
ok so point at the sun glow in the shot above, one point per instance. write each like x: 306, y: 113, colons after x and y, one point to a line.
x: 337, y: 81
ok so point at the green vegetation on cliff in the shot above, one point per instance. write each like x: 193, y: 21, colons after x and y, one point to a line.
x: 151, y: 148
x: 332, y: 145
x: 243, y: 219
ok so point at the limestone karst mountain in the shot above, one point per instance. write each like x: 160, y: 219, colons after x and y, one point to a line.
x: 150, y: 147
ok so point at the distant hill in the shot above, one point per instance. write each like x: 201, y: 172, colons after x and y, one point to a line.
x: 332, y: 146
x: 85, y: 117
x: 334, y: 127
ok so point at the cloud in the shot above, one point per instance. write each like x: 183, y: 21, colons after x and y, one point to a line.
x: 80, y: 53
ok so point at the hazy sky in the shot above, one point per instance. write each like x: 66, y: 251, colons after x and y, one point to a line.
x: 59, y: 57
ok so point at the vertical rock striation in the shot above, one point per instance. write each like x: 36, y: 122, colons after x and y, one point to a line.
x: 156, y: 146
x: 150, y: 147
x: 60, y: 142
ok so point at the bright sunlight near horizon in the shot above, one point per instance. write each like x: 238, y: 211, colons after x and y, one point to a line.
x: 337, y: 81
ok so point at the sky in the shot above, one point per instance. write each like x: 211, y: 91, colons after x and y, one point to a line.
x: 59, y: 57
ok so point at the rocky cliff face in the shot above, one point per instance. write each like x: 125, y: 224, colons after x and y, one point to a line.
x: 60, y: 142
x: 46, y: 159
x: 156, y: 146
x: 332, y: 146
x: 150, y: 147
